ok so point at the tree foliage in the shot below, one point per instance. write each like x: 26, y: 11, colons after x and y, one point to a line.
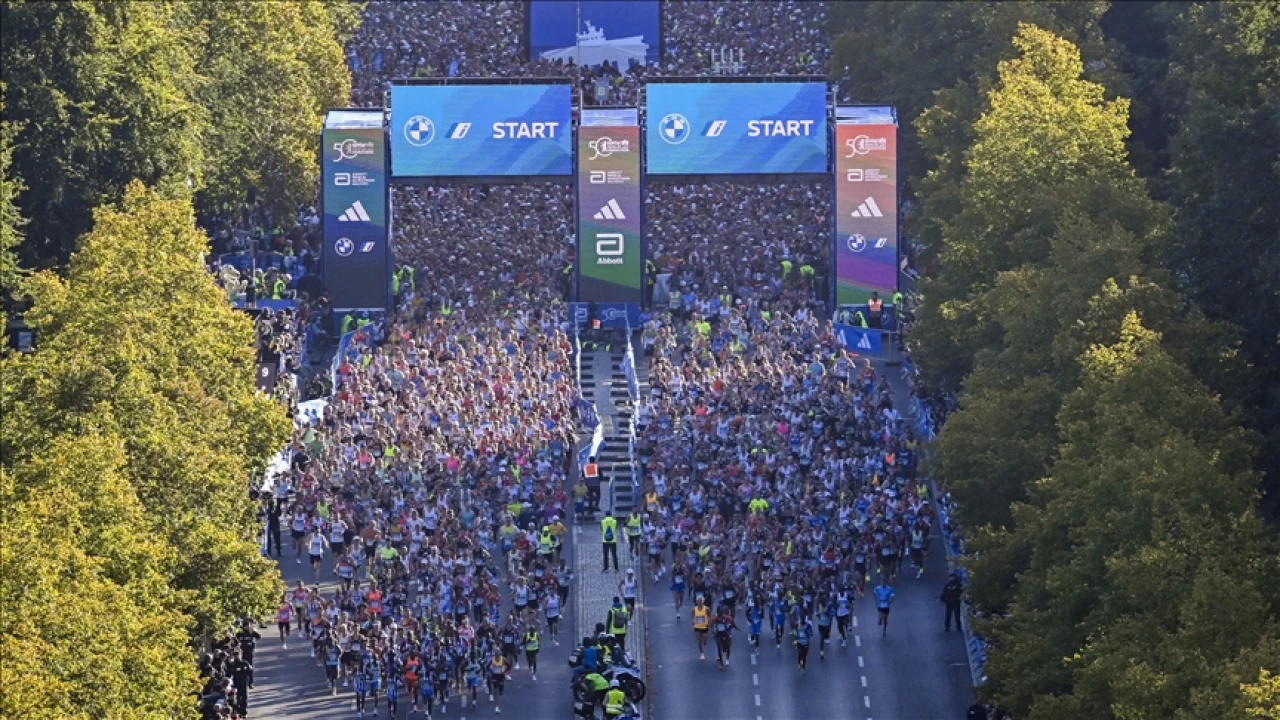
x: 1146, y: 516
x: 270, y: 72
x: 1109, y: 488
x: 102, y: 95
x: 11, y: 220
x: 1224, y: 85
x: 909, y: 54
x: 227, y: 97
x: 137, y: 343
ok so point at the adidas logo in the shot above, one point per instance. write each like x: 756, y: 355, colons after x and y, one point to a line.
x: 864, y: 343
x: 610, y: 211
x: 355, y: 213
x: 868, y: 208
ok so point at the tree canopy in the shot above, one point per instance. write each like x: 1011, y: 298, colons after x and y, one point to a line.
x: 1109, y: 489
x: 127, y: 439
x: 225, y: 98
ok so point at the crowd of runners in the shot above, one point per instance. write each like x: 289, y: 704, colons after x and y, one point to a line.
x: 427, y: 505
x: 780, y: 484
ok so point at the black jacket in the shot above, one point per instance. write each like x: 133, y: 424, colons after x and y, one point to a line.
x: 952, y: 591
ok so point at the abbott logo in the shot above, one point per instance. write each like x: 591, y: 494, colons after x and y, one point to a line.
x: 863, y: 144
x: 714, y: 128
x: 610, y: 211
x: 609, y: 249
x: 867, y: 209
x: 457, y: 131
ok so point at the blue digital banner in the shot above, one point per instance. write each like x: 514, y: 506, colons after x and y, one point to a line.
x: 480, y: 130
x: 594, y: 31
x: 863, y: 341
x: 736, y: 128
x: 610, y: 314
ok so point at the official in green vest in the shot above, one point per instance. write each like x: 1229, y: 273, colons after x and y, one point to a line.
x: 617, y: 623
x: 634, y: 523
x: 786, y: 270
x: 278, y: 289
x: 859, y: 319
x: 348, y: 323
x: 609, y: 541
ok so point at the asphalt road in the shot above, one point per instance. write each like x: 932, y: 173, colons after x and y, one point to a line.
x: 290, y: 686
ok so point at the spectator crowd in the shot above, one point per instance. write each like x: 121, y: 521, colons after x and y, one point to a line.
x: 419, y: 38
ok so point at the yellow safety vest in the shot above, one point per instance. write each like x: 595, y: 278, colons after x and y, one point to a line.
x: 606, y: 525
x: 633, y: 525
x: 617, y: 621
x: 614, y: 701
x: 531, y: 641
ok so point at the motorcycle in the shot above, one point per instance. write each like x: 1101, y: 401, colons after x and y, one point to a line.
x: 622, y: 669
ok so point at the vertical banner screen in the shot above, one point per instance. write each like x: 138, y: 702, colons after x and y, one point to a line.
x: 356, y: 252
x: 610, y: 262
x: 866, y: 212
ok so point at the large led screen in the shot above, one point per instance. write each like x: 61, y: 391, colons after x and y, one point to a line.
x: 736, y: 128
x: 480, y: 130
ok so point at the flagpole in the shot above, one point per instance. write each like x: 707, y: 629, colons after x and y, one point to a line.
x: 577, y: 36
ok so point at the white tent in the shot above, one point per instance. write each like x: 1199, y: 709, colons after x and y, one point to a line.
x: 594, y: 49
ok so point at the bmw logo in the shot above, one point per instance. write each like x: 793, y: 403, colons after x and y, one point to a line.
x: 674, y: 129
x: 344, y: 246
x: 419, y: 131
x: 857, y: 243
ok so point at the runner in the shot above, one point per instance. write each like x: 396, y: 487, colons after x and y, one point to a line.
x: 803, y: 635
x: 724, y: 624
x: 677, y: 586
x: 884, y: 598
x: 531, y: 644
x: 284, y: 621
x: 701, y: 623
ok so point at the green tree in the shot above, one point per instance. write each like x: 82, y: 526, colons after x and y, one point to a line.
x: 1263, y: 696
x: 270, y: 71
x: 1152, y: 584
x: 903, y: 54
x: 11, y: 220
x: 138, y: 342
x: 101, y: 94
x: 1224, y: 87
x: 89, y: 627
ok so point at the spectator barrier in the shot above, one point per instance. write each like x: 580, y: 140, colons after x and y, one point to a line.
x: 633, y: 392
x: 975, y: 646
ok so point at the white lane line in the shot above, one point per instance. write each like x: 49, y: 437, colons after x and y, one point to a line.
x: 860, y: 663
x: 753, y: 658
x: 755, y: 679
x: 757, y: 699
x: 855, y: 617
x: 864, y: 681
x: 857, y: 640
x: 866, y: 700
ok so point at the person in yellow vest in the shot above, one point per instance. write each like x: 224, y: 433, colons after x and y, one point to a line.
x: 278, y: 289
x: 701, y: 623
x: 531, y: 651
x: 786, y: 271
x: 859, y: 319
x: 634, y: 523
x: 609, y: 541
x: 806, y: 275
x: 618, y: 623
x: 348, y: 324
x: 615, y: 701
